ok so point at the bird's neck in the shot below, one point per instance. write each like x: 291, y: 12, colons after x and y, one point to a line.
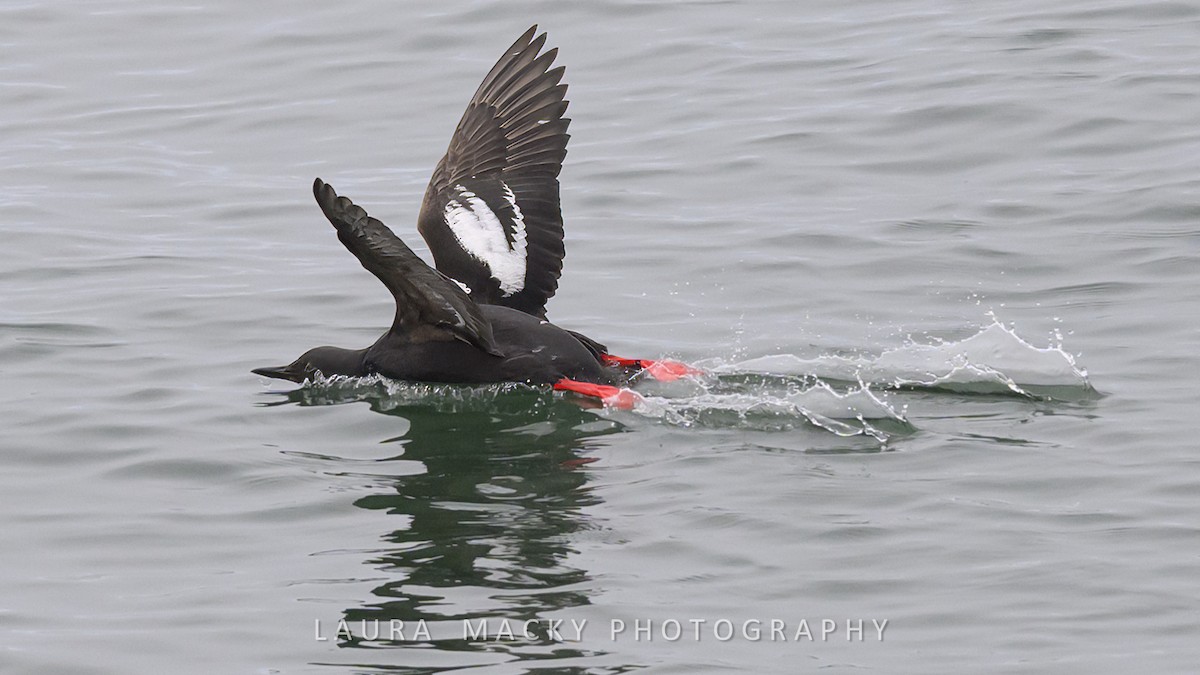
x: 337, y: 361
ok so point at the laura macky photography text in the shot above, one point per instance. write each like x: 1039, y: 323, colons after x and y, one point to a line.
x: 614, y: 630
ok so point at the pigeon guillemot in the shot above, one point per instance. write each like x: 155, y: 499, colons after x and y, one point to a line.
x: 492, y: 219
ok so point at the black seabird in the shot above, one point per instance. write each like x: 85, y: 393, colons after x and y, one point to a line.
x: 492, y: 219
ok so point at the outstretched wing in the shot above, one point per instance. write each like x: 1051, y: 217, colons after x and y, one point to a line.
x: 491, y: 213
x: 425, y: 298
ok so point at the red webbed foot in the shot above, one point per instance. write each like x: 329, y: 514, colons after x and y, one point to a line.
x: 663, y: 370
x: 616, y: 397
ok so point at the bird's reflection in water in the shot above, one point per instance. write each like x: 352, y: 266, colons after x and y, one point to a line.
x: 486, y: 530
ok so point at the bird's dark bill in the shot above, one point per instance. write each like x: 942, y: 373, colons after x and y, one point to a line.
x: 288, y: 372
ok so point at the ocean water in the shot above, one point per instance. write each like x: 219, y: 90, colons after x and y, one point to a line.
x: 939, y: 262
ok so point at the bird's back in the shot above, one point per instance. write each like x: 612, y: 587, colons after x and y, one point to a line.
x: 534, y: 351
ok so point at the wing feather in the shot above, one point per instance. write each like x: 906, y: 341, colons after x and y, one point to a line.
x: 424, y: 296
x: 502, y: 167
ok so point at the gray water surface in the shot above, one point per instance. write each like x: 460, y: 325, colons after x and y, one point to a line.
x: 940, y: 260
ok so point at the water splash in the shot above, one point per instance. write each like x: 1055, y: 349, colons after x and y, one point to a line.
x: 993, y: 361
x: 765, y: 402
x: 386, y: 395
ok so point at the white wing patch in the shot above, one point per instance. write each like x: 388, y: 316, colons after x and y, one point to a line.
x: 481, y: 234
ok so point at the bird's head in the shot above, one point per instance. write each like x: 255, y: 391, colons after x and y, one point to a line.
x: 326, y: 361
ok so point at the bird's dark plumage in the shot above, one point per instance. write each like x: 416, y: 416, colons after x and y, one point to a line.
x: 491, y: 218
x: 439, y: 333
x: 426, y: 300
